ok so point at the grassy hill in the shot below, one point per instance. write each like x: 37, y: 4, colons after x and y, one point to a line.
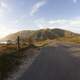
x: 42, y: 34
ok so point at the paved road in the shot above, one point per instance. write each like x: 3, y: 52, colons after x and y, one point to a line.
x: 54, y: 63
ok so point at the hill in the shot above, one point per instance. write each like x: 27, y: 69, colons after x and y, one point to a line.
x: 42, y: 34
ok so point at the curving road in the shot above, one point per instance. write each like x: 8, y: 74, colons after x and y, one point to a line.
x: 54, y: 63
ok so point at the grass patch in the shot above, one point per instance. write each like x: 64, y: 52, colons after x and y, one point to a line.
x: 10, y: 58
x: 8, y: 63
x: 41, y: 43
x: 70, y: 39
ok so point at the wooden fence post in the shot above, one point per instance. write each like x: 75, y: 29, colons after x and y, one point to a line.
x: 18, y: 43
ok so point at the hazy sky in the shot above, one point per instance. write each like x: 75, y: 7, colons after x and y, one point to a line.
x: 18, y: 15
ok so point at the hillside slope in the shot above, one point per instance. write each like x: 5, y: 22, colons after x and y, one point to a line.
x: 42, y: 34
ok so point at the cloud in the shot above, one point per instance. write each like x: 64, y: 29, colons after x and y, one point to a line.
x: 3, y: 7
x: 37, y: 6
x: 75, y: 1
x: 57, y: 21
x: 73, y: 25
x: 63, y: 21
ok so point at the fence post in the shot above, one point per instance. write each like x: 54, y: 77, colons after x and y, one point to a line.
x: 18, y: 43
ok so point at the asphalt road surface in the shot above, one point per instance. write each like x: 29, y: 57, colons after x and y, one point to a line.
x: 54, y: 63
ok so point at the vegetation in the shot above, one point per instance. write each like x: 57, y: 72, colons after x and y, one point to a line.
x: 10, y: 58
x: 7, y: 63
x: 6, y: 60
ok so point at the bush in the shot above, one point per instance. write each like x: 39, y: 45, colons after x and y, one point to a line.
x: 8, y: 63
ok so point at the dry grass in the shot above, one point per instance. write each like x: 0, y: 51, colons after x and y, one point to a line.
x: 7, y: 49
x: 41, y: 43
x: 75, y: 40
x: 10, y: 58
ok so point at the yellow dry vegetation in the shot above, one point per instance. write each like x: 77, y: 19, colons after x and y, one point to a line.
x: 7, y: 48
x: 41, y: 43
x: 70, y: 39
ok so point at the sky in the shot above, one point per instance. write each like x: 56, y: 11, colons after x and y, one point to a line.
x: 17, y: 15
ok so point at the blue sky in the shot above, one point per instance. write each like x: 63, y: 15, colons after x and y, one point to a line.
x: 16, y: 15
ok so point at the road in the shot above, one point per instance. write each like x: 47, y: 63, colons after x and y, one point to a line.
x: 54, y: 63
